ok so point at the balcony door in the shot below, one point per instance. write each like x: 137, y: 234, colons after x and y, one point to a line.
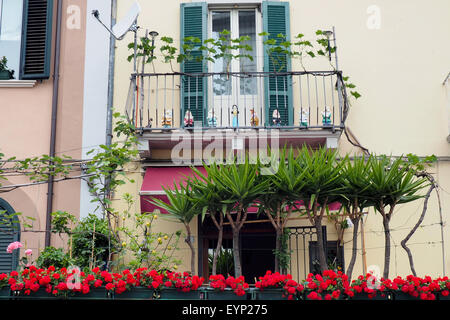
x: 239, y: 94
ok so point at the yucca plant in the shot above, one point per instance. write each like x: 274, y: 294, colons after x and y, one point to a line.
x: 182, y: 209
x: 240, y: 185
x: 392, y: 182
x: 209, y: 199
x: 279, y: 200
x: 322, y: 185
x: 355, y: 197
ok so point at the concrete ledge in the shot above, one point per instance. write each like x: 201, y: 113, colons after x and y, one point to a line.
x: 17, y: 83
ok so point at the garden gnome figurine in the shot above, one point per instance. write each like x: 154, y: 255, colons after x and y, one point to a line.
x: 167, y: 119
x: 304, y: 116
x: 188, y: 119
x: 254, y: 120
x: 212, y: 119
x: 326, y: 117
x: 276, y: 118
x: 234, y: 113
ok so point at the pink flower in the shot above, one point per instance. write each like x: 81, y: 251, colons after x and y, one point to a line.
x: 28, y: 252
x: 13, y: 246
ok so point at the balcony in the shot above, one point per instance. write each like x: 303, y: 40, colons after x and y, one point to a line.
x: 300, y: 107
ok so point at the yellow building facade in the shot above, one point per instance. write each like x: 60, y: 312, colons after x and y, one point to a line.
x: 395, y: 52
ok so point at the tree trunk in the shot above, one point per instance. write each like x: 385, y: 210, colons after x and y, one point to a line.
x: 354, y: 248
x: 219, y: 243
x: 236, y: 254
x: 387, y: 247
x: 191, y: 246
x: 279, y: 234
x: 320, y: 245
x: 422, y: 216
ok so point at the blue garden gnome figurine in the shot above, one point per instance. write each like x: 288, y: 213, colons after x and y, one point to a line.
x: 235, y: 116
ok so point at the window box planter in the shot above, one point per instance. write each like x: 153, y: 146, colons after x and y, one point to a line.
x: 268, y: 294
x: 94, y: 294
x: 5, y: 75
x: 41, y: 294
x: 364, y: 296
x: 136, y: 293
x: 227, y: 294
x: 175, y: 294
x: 441, y: 297
x: 400, y: 295
x: 5, y: 293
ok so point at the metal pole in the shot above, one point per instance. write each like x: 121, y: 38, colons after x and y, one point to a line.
x: 53, y: 121
x: 363, y: 246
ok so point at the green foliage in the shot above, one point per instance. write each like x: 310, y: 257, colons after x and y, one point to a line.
x: 91, y: 249
x: 225, y: 263
x: 52, y: 256
x: 4, y: 67
x: 154, y: 250
x: 144, y: 49
x: 283, y: 255
x: 61, y: 221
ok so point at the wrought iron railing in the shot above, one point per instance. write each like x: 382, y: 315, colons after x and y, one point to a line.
x: 289, y: 100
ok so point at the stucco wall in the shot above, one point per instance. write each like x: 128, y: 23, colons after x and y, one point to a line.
x: 394, y: 52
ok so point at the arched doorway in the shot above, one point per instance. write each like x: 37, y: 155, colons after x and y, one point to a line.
x: 9, y: 232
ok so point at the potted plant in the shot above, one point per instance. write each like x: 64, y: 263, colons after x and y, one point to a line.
x: 5, y: 291
x: 276, y: 286
x: 231, y: 288
x: 415, y: 288
x: 5, y: 73
x: 180, y: 286
x: 326, y: 286
x: 369, y: 288
x: 139, y: 285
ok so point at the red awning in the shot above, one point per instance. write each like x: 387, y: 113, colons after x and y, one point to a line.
x: 156, y: 177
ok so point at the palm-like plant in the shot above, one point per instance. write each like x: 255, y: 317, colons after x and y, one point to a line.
x: 392, y: 183
x: 356, y: 197
x: 278, y: 202
x: 240, y: 184
x: 322, y: 184
x: 209, y: 199
x: 182, y: 209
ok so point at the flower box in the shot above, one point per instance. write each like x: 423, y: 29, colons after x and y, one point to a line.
x: 175, y: 294
x: 442, y: 297
x: 5, y: 293
x: 227, y: 294
x: 269, y: 294
x: 400, y: 295
x: 94, y: 294
x: 364, y: 296
x: 136, y: 293
x: 41, y: 294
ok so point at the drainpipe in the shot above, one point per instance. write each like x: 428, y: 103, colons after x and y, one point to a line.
x: 109, y: 102
x: 112, y: 44
x: 48, y: 219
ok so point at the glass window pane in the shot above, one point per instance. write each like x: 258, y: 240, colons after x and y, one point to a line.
x: 247, y: 27
x: 221, y: 20
x: 10, y: 32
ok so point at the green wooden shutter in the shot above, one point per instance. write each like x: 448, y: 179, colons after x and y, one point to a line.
x: 8, y: 261
x: 278, y: 90
x: 194, y: 89
x: 36, y: 39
